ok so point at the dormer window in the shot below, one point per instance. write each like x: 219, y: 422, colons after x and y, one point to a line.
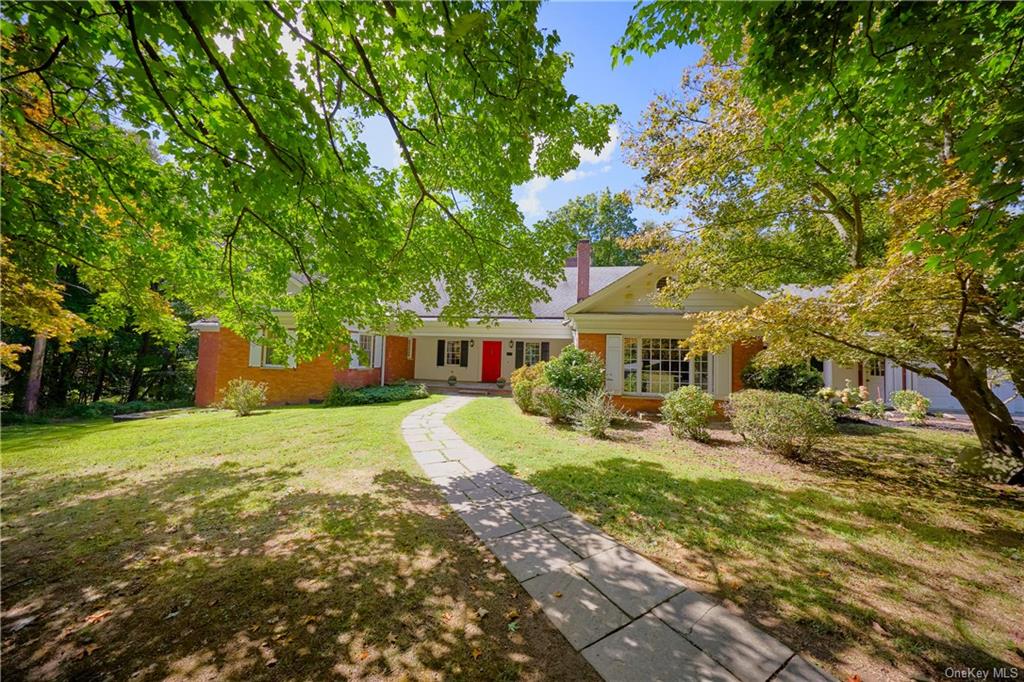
x: 662, y: 283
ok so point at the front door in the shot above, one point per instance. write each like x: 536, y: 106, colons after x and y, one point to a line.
x: 491, y: 362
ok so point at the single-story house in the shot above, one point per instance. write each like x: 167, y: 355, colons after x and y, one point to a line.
x: 607, y: 310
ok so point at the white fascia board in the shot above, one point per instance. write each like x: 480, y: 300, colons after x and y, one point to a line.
x: 206, y: 325
x: 502, y: 329
x: 667, y: 325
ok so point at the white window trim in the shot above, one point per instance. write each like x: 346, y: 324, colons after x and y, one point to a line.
x: 709, y: 388
x: 262, y: 351
x: 527, y: 344
x: 356, y: 362
x: 457, y: 345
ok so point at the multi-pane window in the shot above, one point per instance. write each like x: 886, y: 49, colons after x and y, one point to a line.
x: 660, y: 366
x: 366, y: 345
x: 531, y: 353
x: 272, y: 357
x: 453, y: 353
x: 876, y: 367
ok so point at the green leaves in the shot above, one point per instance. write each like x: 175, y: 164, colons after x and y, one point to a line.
x: 264, y: 170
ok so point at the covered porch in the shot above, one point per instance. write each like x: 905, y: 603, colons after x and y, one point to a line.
x: 478, y: 355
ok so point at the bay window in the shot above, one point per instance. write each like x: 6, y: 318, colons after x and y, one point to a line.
x: 657, y: 366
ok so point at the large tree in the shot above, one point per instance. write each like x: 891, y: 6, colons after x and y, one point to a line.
x: 257, y: 112
x: 895, y: 91
x: 606, y: 219
x: 777, y: 196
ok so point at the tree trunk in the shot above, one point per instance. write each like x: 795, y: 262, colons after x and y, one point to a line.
x: 136, y: 383
x: 991, y: 418
x: 66, y: 366
x: 98, y: 391
x: 35, y: 374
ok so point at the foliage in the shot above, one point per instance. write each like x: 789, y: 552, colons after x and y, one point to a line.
x: 595, y: 413
x: 558, y: 407
x: 340, y: 396
x: 243, y: 396
x: 523, y: 381
x: 911, y: 404
x: 575, y: 373
x: 900, y: 92
x: 223, y: 169
x: 786, y: 423
x: 874, y: 409
x: 790, y: 378
x: 688, y: 411
x: 103, y: 408
x: 605, y: 219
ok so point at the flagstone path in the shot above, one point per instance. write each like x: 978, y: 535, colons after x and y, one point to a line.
x: 631, y: 619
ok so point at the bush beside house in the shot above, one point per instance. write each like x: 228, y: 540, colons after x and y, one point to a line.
x: 798, y: 378
x: 340, y: 396
x: 786, y: 423
x: 687, y: 411
x: 243, y: 396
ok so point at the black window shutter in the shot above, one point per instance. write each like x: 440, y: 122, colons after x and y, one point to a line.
x: 545, y: 350
x: 464, y: 362
x: 440, y: 352
x: 519, y: 354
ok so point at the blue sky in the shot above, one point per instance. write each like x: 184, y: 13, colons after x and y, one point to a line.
x: 587, y: 30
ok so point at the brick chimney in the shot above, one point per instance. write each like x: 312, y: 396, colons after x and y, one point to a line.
x: 582, y: 269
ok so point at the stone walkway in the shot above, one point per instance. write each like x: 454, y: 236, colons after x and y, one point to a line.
x: 631, y: 619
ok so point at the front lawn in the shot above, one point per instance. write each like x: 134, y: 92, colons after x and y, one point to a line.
x: 877, y: 558
x: 298, y: 543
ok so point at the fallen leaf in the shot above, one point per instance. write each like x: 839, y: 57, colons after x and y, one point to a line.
x: 363, y: 655
x: 853, y: 678
x: 98, y: 617
x: 477, y: 653
x: 879, y: 629
x: 512, y: 615
x: 558, y: 595
x: 481, y: 612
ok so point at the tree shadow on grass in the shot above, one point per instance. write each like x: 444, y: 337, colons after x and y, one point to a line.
x: 810, y: 566
x: 239, y: 572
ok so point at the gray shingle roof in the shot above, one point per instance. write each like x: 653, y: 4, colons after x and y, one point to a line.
x: 562, y: 296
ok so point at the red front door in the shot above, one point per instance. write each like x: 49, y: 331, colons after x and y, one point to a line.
x: 492, y: 362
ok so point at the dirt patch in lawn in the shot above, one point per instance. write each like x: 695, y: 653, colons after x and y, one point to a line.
x: 239, y: 572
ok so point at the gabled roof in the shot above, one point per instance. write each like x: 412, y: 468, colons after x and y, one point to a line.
x: 562, y: 295
x: 636, y: 275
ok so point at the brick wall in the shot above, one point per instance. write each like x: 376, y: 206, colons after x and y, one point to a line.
x: 228, y: 356
x: 399, y: 362
x: 592, y: 342
x: 742, y: 353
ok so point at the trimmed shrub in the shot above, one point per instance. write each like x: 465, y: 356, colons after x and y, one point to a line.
x: 523, y: 381
x: 243, y: 396
x: 799, y: 378
x: 575, y: 373
x: 874, y: 409
x: 340, y: 396
x: 688, y: 411
x: 785, y: 423
x: 595, y: 414
x: 550, y: 401
x: 911, y: 404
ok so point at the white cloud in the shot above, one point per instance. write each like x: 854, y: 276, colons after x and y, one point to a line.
x: 529, y: 201
x: 587, y: 156
x: 575, y: 174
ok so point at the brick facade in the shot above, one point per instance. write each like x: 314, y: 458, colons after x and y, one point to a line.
x: 224, y: 356
x: 742, y: 353
x: 399, y: 358
x: 592, y: 342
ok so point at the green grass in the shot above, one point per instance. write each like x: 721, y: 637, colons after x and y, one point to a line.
x: 877, y: 558
x: 297, y: 543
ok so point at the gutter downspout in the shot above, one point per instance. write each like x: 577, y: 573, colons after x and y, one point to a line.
x: 383, y: 356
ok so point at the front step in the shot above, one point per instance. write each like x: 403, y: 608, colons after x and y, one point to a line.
x: 464, y: 390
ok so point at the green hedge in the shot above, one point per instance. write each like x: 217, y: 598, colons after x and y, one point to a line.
x: 369, y: 395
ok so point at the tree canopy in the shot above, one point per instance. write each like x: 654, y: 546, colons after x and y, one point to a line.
x: 606, y: 219
x: 862, y: 153
x: 203, y: 158
x: 900, y: 92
